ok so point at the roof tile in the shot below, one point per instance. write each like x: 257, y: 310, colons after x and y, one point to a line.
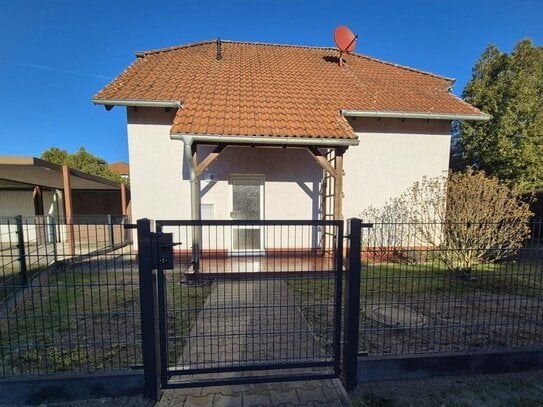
x: 277, y: 90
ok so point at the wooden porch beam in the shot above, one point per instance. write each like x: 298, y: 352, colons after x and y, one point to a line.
x: 322, y: 161
x: 206, y: 162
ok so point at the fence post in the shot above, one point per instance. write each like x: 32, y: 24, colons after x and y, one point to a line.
x: 21, y: 249
x: 352, y: 304
x: 111, y: 231
x: 148, y: 309
x: 54, y: 237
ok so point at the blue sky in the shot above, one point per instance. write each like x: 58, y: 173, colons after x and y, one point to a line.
x: 55, y: 55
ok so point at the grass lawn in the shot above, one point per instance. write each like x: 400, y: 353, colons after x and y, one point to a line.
x: 83, y: 318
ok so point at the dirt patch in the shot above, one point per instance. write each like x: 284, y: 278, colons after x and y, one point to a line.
x: 456, y: 323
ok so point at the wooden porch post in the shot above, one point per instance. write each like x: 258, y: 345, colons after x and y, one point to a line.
x: 68, y: 208
x: 338, y: 185
x: 124, y: 204
x: 38, y: 200
x: 41, y: 233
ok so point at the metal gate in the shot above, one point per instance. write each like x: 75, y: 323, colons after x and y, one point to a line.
x: 213, y: 316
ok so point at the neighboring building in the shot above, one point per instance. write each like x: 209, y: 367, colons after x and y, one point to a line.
x: 235, y: 130
x: 32, y: 187
x: 121, y: 168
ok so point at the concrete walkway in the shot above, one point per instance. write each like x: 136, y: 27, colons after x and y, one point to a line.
x: 253, y: 322
x: 284, y: 394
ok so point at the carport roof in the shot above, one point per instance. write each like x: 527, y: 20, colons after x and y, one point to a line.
x: 31, y: 171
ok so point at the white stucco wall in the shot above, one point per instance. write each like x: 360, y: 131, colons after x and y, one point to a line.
x: 155, y: 166
x: 391, y: 156
x: 159, y: 178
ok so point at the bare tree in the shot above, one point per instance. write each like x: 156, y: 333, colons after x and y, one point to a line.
x: 465, y: 219
x: 476, y: 218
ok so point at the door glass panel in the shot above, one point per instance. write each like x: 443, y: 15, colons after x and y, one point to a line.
x: 246, y: 202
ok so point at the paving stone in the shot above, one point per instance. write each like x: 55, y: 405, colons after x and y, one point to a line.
x: 197, y: 401
x: 310, y: 394
x: 172, y: 398
x: 223, y: 390
x: 288, y: 397
x: 256, y: 400
x: 233, y: 400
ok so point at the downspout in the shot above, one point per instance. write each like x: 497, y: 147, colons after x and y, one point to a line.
x: 194, y: 202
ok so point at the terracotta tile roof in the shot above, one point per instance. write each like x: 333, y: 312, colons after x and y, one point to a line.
x: 120, y: 167
x: 277, y: 90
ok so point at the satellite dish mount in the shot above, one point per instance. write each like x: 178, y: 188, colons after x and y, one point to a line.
x: 345, y: 41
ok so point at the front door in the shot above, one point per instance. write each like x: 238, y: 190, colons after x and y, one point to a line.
x: 247, y: 192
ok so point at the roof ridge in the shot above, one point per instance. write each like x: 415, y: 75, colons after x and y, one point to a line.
x: 192, y: 44
x: 172, y: 48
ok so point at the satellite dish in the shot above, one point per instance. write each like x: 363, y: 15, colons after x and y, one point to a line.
x: 345, y: 39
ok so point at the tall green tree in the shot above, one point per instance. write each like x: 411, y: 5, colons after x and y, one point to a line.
x: 81, y: 160
x: 510, y: 88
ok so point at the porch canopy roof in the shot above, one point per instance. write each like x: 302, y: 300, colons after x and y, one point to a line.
x: 28, y: 172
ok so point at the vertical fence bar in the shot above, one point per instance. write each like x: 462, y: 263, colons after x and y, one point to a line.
x: 352, y: 304
x: 148, y: 300
x: 111, y: 231
x: 54, y: 237
x: 338, y: 261
x: 161, y: 303
x: 21, y: 249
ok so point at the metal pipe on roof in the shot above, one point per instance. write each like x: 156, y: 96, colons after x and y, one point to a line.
x: 286, y: 141
x: 415, y: 115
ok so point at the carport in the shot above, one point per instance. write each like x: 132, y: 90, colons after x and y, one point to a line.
x: 30, y: 186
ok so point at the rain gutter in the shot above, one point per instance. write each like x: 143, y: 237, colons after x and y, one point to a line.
x: 110, y: 103
x: 279, y: 141
x: 415, y: 115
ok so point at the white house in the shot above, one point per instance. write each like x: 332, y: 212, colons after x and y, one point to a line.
x: 237, y: 130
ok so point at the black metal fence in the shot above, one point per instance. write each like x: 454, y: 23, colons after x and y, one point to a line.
x: 249, y: 298
x: 69, y: 296
x: 414, y: 300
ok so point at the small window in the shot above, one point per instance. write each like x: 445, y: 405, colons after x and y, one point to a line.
x: 208, y: 211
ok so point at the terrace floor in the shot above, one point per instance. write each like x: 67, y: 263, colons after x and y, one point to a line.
x: 273, y: 263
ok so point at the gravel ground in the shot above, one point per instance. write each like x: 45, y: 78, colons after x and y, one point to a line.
x: 524, y: 389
